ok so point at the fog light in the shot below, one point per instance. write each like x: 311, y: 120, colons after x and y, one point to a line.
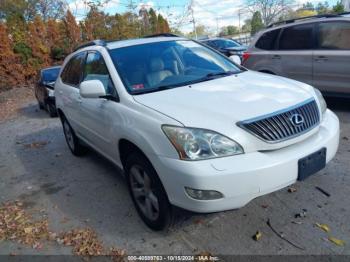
x: 203, y: 194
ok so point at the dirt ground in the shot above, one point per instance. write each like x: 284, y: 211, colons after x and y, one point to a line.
x: 37, y: 168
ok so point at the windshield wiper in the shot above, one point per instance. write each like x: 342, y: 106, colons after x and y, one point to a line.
x: 225, y: 73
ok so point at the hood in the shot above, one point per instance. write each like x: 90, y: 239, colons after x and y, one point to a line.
x: 228, y: 99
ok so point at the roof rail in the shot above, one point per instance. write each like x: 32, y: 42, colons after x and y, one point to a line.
x: 304, y: 18
x: 162, y: 34
x: 97, y: 42
x: 345, y: 13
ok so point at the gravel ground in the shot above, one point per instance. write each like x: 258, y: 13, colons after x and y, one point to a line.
x: 90, y: 192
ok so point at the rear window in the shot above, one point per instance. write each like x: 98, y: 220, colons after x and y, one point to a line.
x: 50, y: 75
x: 334, y: 35
x: 267, y: 40
x: 297, y: 37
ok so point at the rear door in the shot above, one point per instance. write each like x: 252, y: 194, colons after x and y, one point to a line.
x: 70, y: 80
x: 332, y: 58
x: 262, y: 56
x: 295, y: 52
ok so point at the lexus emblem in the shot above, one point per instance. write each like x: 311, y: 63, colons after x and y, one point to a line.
x: 297, y: 119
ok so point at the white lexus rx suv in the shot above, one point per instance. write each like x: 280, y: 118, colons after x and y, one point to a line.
x: 189, y: 127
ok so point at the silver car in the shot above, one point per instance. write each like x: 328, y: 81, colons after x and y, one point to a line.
x: 314, y: 50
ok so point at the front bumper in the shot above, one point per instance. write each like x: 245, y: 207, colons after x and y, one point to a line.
x: 243, y: 177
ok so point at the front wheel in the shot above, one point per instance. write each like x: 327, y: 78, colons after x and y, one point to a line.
x: 72, y: 140
x: 147, y: 192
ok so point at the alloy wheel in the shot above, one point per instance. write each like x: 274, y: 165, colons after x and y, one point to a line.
x: 144, y: 194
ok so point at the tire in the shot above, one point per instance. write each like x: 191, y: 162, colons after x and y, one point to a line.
x: 41, y: 107
x: 147, y: 192
x: 72, y: 140
x: 51, y: 109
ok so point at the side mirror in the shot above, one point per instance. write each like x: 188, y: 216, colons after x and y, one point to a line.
x: 236, y: 59
x: 92, y: 89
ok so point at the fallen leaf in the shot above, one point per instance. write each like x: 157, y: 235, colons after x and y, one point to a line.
x: 324, y: 227
x: 336, y: 241
x: 38, y: 144
x: 264, y: 206
x: 257, y: 236
x: 292, y: 190
x: 28, y: 230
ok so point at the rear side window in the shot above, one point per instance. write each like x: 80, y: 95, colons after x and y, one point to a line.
x: 334, y: 35
x: 297, y: 37
x: 267, y: 40
x: 96, y: 69
x: 72, y: 72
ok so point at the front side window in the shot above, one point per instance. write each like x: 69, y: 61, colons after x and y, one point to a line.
x: 298, y: 37
x: 96, y: 69
x: 72, y: 72
x: 162, y: 65
x: 334, y: 35
x: 267, y: 40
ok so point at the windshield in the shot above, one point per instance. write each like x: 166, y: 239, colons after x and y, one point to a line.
x: 50, y: 75
x: 228, y: 43
x: 162, y: 65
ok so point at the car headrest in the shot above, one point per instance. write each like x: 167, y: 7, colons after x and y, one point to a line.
x: 157, y: 65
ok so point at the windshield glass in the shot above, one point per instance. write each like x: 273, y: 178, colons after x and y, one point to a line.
x: 157, y: 66
x: 228, y: 43
x: 50, y: 75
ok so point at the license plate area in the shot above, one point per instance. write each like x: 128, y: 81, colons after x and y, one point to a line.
x: 311, y: 164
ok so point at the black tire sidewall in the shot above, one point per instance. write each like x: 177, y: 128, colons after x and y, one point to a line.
x: 165, y: 214
x: 78, y: 149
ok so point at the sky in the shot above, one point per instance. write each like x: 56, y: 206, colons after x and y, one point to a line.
x: 213, y: 14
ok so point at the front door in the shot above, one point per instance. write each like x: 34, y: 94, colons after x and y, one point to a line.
x: 95, y: 113
x: 332, y: 58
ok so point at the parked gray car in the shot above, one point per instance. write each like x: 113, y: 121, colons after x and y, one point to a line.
x: 314, y: 50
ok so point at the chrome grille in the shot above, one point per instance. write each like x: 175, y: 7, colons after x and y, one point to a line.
x: 285, y: 124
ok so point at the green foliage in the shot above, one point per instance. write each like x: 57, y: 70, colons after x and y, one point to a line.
x: 338, y: 8
x: 229, y: 30
x: 323, y: 8
x: 57, y: 53
x: 24, y: 51
x: 257, y: 23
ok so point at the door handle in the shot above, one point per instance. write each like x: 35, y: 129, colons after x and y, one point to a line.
x: 276, y: 57
x: 321, y: 58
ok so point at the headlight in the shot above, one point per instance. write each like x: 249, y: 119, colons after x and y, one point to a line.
x: 320, y: 99
x: 199, y: 144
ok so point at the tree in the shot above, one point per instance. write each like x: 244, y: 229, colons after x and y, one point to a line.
x: 323, y: 8
x: 257, y: 23
x: 247, y: 27
x: 338, y: 8
x: 304, y: 13
x: 270, y: 10
x: 308, y: 6
x: 229, y: 30
x: 10, y: 67
x: 163, y: 26
x: 72, y: 32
